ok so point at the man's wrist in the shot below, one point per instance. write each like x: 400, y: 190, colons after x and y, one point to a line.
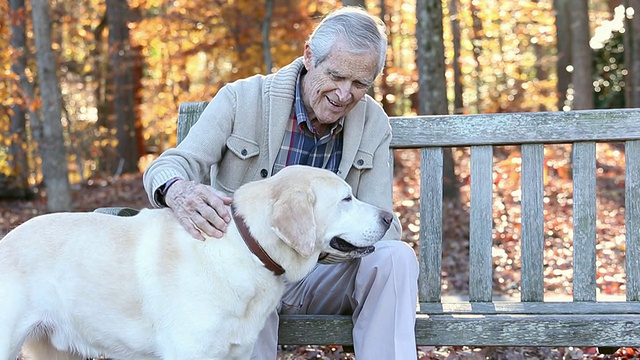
x: 161, y: 192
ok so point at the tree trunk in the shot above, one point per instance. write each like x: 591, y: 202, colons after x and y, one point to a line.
x: 385, y: 88
x: 120, y: 64
x: 99, y: 56
x: 18, y: 151
x: 432, y: 96
x: 458, y: 106
x: 266, y: 43
x: 52, y: 149
x: 632, y: 55
x: 431, y: 70
x: 563, y: 36
x: 476, y: 41
x: 541, y: 73
x: 353, y: 3
x: 137, y: 71
x: 636, y: 56
x: 582, y: 59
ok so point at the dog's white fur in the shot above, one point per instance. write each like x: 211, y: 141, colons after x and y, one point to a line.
x: 74, y: 285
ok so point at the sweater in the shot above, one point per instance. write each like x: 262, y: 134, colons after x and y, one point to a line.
x: 238, y: 136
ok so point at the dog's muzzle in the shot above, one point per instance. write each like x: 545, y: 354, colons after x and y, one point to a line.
x: 345, y: 247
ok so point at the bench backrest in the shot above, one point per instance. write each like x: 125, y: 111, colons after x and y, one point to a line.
x: 582, y: 129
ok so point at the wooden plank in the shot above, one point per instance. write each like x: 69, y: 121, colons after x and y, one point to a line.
x: 514, y: 308
x: 188, y: 114
x: 516, y: 128
x: 499, y: 129
x: 315, y: 330
x: 632, y: 219
x: 532, y: 223
x: 481, y: 224
x: 430, y: 262
x: 479, y: 330
x: 584, y: 221
x: 529, y: 330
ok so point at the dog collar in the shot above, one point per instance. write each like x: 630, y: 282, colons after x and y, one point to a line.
x: 253, y: 245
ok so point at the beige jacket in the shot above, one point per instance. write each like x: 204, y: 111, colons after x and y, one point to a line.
x: 238, y: 136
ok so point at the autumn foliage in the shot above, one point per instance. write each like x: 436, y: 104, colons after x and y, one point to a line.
x: 509, y: 60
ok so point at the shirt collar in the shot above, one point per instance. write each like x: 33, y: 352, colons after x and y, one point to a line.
x: 301, y: 112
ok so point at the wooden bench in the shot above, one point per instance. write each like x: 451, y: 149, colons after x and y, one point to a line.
x: 483, y: 320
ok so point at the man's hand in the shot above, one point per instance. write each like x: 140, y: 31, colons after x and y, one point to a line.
x: 200, y: 209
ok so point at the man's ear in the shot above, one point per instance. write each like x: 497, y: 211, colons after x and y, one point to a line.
x: 307, y: 57
x: 293, y: 220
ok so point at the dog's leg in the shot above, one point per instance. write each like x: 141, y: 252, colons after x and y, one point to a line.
x: 41, y: 349
x: 10, y: 312
x: 241, y: 352
x: 9, y: 347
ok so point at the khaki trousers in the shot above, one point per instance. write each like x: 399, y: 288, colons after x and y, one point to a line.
x: 379, y: 290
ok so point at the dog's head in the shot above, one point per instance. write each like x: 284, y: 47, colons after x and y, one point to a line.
x: 312, y: 211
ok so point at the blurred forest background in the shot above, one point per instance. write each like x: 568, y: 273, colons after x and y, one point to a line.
x: 96, y: 84
x: 90, y: 89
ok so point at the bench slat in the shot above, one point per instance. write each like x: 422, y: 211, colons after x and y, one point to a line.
x: 532, y: 222
x: 529, y: 330
x: 481, y: 224
x: 632, y: 219
x: 515, y: 128
x: 530, y: 308
x: 315, y: 330
x: 497, y: 129
x: 430, y: 262
x: 188, y: 114
x: 479, y: 330
x: 584, y: 221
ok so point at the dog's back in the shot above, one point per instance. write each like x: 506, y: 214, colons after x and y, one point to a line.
x: 100, y: 284
x: 44, y: 264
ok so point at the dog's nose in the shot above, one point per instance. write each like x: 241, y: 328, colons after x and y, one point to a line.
x: 387, y: 218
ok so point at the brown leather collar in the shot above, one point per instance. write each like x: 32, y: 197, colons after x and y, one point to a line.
x: 253, y: 245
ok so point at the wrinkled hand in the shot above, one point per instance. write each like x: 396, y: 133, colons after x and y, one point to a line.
x: 200, y: 209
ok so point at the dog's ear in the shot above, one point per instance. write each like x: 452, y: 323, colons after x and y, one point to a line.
x: 293, y: 219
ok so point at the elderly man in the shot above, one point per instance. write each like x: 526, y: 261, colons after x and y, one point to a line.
x: 314, y: 112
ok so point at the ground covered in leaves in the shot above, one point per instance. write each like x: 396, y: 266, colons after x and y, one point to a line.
x: 127, y: 191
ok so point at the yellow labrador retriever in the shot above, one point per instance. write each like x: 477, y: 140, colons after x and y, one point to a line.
x: 77, y: 285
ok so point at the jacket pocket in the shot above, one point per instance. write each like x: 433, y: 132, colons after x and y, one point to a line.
x: 241, y: 147
x: 232, y: 170
x: 363, y: 160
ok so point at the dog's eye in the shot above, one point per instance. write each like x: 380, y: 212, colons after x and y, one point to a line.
x: 348, y: 198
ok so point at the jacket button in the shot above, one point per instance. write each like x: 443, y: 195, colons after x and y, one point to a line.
x: 264, y: 173
x: 360, y: 162
x: 243, y: 152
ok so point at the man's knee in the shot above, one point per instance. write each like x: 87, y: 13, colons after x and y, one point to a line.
x: 392, y: 256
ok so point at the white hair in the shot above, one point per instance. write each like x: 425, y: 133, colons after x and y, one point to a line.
x: 361, y: 31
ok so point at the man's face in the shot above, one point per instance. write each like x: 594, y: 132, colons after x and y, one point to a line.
x: 333, y: 87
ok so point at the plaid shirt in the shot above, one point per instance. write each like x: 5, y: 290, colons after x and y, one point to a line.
x: 301, y: 145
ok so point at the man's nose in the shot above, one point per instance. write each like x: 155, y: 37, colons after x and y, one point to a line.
x: 344, y: 91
